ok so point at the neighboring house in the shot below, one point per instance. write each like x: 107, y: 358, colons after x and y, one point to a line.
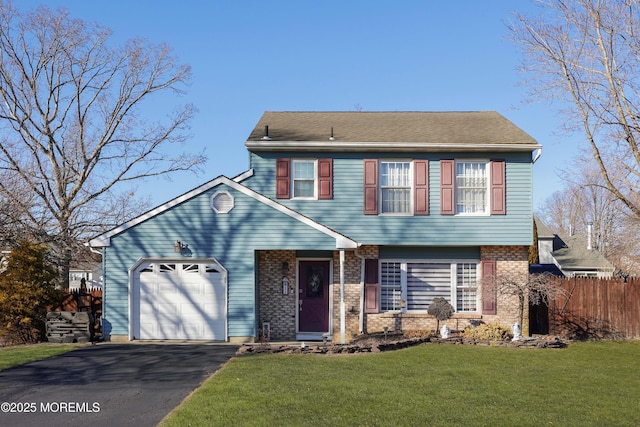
x: 85, y: 265
x: 4, y: 253
x: 569, y: 255
x: 344, y: 223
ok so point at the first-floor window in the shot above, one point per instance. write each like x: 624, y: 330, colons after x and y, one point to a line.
x: 391, y: 286
x: 412, y: 285
x: 467, y: 287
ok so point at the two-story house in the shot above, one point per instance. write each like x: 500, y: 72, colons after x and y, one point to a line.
x: 344, y: 223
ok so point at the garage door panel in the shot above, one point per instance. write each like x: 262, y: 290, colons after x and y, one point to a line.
x: 168, y: 309
x: 166, y: 287
x: 193, y: 332
x: 147, y: 310
x: 212, y: 310
x: 182, y: 303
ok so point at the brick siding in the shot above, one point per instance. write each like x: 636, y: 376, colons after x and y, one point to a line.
x: 280, y: 310
x: 275, y: 307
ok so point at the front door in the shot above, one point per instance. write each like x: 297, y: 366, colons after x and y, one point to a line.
x: 313, y: 297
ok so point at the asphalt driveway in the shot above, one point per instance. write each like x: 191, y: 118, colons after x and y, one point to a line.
x: 107, y: 384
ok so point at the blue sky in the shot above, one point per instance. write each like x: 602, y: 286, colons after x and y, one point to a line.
x: 248, y: 57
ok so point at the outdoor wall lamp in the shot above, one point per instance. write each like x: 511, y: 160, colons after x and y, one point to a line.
x: 179, y: 246
x: 285, y: 285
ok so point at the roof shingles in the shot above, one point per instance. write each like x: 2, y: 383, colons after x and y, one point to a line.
x: 473, y: 128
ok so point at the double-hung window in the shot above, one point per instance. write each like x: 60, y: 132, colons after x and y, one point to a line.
x: 395, y: 187
x: 412, y: 285
x: 310, y: 179
x: 467, y: 287
x: 391, y: 286
x: 472, y: 187
x: 304, y: 179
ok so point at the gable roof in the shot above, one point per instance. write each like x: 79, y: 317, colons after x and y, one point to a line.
x: 571, y: 253
x: 407, y: 130
x: 542, y: 229
x: 341, y: 240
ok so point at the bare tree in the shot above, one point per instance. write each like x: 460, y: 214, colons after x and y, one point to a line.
x: 531, y: 289
x: 585, y: 200
x: 587, y: 53
x: 73, y: 130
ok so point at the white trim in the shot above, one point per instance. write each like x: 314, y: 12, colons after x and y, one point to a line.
x: 243, y: 175
x: 178, y: 260
x: 411, y: 186
x: 315, y: 179
x: 487, y: 190
x: 343, y: 313
x: 342, y: 241
x: 351, y: 146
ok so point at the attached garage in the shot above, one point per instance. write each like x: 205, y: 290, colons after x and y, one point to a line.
x: 178, y: 300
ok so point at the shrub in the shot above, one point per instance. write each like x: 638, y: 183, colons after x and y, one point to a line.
x: 490, y: 331
x: 417, y: 333
x: 441, y: 309
x: 26, y: 289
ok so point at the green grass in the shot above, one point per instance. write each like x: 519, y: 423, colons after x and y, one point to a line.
x: 586, y: 384
x: 19, y: 355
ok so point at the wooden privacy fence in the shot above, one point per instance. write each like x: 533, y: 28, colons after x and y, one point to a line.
x: 596, y: 309
x: 84, y: 301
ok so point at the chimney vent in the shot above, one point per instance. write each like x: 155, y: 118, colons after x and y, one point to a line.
x: 589, y: 235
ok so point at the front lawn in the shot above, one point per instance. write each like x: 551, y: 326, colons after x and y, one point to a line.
x: 586, y: 384
x: 21, y: 354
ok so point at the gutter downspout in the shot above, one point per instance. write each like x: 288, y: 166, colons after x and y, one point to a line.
x: 343, y: 323
x: 537, y: 155
x: 361, y: 314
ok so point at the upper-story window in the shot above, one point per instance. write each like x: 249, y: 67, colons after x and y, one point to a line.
x: 304, y: 179
x: 472, y: 187
x: 395, y: 187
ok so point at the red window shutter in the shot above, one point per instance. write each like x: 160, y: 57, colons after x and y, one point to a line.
x: 421, y: 187
x: 371, y: 286
x: 325, y: 178
x: 283, y: 178
x: 447, y: 187
x: 371, y: 187
x: 498, y: 188
x: 489, y: 291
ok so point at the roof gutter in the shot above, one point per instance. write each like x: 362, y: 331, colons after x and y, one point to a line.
x: 350, y: 146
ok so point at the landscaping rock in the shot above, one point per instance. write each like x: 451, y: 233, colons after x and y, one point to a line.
x: 375, y: 344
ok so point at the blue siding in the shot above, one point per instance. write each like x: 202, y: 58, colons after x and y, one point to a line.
x: 230, y: 238
x: 345, y: 212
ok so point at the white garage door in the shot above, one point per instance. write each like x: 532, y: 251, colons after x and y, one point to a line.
x: 181, y: 301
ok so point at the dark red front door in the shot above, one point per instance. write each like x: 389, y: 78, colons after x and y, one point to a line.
x: 313, y: 296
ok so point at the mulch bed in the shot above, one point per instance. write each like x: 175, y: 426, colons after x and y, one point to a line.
x: 376, y: 343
